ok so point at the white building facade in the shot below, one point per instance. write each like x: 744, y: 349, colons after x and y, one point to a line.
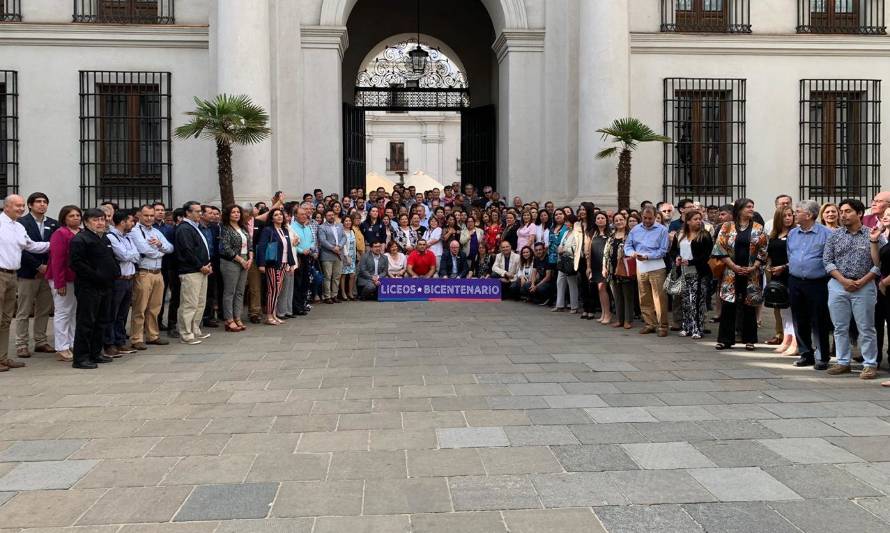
x: 758, y: 96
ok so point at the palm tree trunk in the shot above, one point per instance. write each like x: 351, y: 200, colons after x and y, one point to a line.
x: 624, y: 179
x: 224, y: 171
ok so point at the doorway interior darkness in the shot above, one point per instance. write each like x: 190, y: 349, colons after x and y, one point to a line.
x: 463, y: 23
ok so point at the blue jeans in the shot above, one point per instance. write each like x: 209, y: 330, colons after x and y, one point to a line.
x: 859, y: 306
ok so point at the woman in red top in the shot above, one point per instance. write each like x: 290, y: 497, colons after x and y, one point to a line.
x: 494, y: 230
x: 61, y: 281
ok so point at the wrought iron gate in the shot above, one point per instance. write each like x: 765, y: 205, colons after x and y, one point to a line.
x: 354, y: 167
x: 478, y: 146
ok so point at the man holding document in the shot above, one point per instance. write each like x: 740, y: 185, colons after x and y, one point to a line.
x: 648, y: 244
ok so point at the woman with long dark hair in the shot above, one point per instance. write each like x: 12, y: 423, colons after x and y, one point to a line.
x: 741, y: 244
x: 527, y: 232
x: 61, y: 281
x: 562, y: 254
x: 543, y: 223
x: 275, y: 257
x: 619, y: 273
x: 597, y: 236
x: 777, y: 252
x: 236, y: 258
x: 691, y: 249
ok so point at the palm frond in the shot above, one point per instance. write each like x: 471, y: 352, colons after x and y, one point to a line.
x: 231, y: 119
x: 607, y: 152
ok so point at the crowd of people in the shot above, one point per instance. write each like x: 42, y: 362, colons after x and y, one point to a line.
x: 823, y: 269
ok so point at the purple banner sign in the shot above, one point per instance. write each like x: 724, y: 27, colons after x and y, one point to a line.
x: 439, y: 290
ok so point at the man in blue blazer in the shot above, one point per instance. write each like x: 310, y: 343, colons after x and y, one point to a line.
x: 454, y: 263
x: 34, y: 297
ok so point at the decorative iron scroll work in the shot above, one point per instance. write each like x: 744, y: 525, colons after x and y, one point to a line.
x: 392, y: 68
x: 407, y: 99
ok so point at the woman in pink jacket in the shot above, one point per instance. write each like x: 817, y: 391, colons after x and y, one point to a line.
x: 61, y: 281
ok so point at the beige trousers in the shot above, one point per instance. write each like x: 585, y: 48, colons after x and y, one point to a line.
x: 8, y: 286
x: 653, y: 300
x: 148, y: 296
x: 34, y: 296
x: 192, y: 298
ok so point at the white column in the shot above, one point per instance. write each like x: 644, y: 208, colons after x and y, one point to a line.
x: 604, y: 79
x: 323, y: 48
x: 520, y: 140
x: 243, y: 66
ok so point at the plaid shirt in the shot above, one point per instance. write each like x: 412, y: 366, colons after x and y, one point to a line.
x: 849, y: 253
x: 314, y: 226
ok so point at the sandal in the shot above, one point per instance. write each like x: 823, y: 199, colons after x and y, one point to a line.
x: 269, y: 322
x: 232, y: 327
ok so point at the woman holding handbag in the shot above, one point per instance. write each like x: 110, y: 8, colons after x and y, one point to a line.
x: 275, y: 256
x: 777, y: 253
x: 620, y: 273
x: 741, y: 244
x: 562, y: 252
x: 691, y: 249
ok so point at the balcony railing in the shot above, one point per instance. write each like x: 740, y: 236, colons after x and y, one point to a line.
x: 860, y: 17
x: 10, y: 10
x: 706, y: 16
x: 124, y: 11
x: 396, y: 165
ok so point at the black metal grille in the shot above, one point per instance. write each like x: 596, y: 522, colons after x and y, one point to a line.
x: 397, y: 165
x: 10, y: 11
x: 840, y: 139
x: 125, y: 131
x: 411, y: 98
x: 705, y: 119
x: 714, y: 16
x: 864, y: 17
x: 9, y: 132
x: 124, y: 11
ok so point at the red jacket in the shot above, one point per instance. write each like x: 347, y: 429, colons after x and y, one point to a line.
x: 58, y: 268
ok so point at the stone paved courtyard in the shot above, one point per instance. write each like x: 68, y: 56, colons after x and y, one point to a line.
x: 442, y: 418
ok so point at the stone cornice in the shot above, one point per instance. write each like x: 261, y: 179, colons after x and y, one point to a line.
x: 325, y: 37
x: 510, y: 41
x: 105, y: 35
x: 763, y: 45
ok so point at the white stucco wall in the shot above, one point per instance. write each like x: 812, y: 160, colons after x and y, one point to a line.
x: 432, y: 142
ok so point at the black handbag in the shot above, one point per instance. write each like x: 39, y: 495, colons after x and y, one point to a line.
x: 776, y: 296
x: 566, y: 265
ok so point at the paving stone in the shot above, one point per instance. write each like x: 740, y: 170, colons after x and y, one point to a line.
x: 180, y: 446
x: 574, y: 400
x: 610, y: 415
x: 116, y: 448
x: 737, y: 453
x: 6, y: 496
x: 742, y: 484
x: 47, y: 508
x: 558, y: 416
x: 519, y: 460
x: 860, y: 426
x: 672, y: 431
x: 444, y: 419
x: 517, y: 402
x: 493, y: 493
x: 453, y: 462
x: 289, y: 467
x: 539, y: 435
x: 368, y: 465
x: 397, y: 439
x: 736, y: 429
x: 333, y: 441
x: 266, y: 525
x: 41, y: 450
x: 880, y: 507
x: 247, y: 443
x: 485, y: 437
x: 875, y: 474
x: 473, y: 522
x: 496, y: 417
x: 801, y: 427
x: 536, y: 389
x: 829, y: 516
x: 252, y: 424
x: 553, y: 521
x: 204, y: 470
x: 340, y: 498
x: 307, y: 423
x: 370, y: 421
x: 593, y: 458
x: 667, y: 455
x: 868, y: 448
x: 579, y: 489
x: 402, y: 496
x: 607, y: 433
x: 145, y: 472
x: 650, y: 487
x: 821, y: 481
x: 636, y: 519
x: 45, y: 475
x: 170, y: 527
x: 228, y: 502
x: 136, y: 504
x: 809, y: 451
x: 363, y: 524
x: 165, y: 427
x: 739, y: 517
x: 680, y: 413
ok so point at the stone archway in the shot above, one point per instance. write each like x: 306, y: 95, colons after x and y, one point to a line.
x: 505, y: 14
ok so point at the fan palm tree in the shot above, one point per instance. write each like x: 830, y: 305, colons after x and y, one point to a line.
x: 226, y: 120
x: 627, y: 133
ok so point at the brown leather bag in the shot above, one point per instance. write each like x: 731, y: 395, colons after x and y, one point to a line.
x: 717, y: 266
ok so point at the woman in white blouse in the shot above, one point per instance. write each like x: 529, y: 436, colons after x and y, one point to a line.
x: 433, y: 238
x: 398, y: 263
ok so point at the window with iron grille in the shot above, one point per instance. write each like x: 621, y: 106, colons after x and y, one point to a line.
x: 9, y: 132
x: 864, y: 17
x: 396, y: 161
x: 125, y: 131
x: 10, y: 11
x: 840, y: 132
x: 124, y: 11
x: 705, y: 119
x: 714, y: 16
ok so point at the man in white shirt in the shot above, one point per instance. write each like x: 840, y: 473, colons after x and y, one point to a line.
x: 148, y: 284
x: 13, y: 241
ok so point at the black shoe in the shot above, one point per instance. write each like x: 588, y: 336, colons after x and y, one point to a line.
x: 255, y: 320
x: 101, y: 359
x: 173, y: 334
x: 210, y: 324
x: 804, y: 361
x: 300, y: 313
x: 821, y: 365
x: 86, y: 365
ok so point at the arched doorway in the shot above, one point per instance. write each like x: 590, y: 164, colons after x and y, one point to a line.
x: 460, y: 78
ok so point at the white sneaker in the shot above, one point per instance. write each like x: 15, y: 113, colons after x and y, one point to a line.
x: 202, y: 336
x: 190, y: 341
x: 682, y: 333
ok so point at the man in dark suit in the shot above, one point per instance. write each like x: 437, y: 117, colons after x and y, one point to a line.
x: 454, y: 263
x: 34, y: 296
x: 193, y: 260
x: 93, y: 262
x: 374, y: 267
